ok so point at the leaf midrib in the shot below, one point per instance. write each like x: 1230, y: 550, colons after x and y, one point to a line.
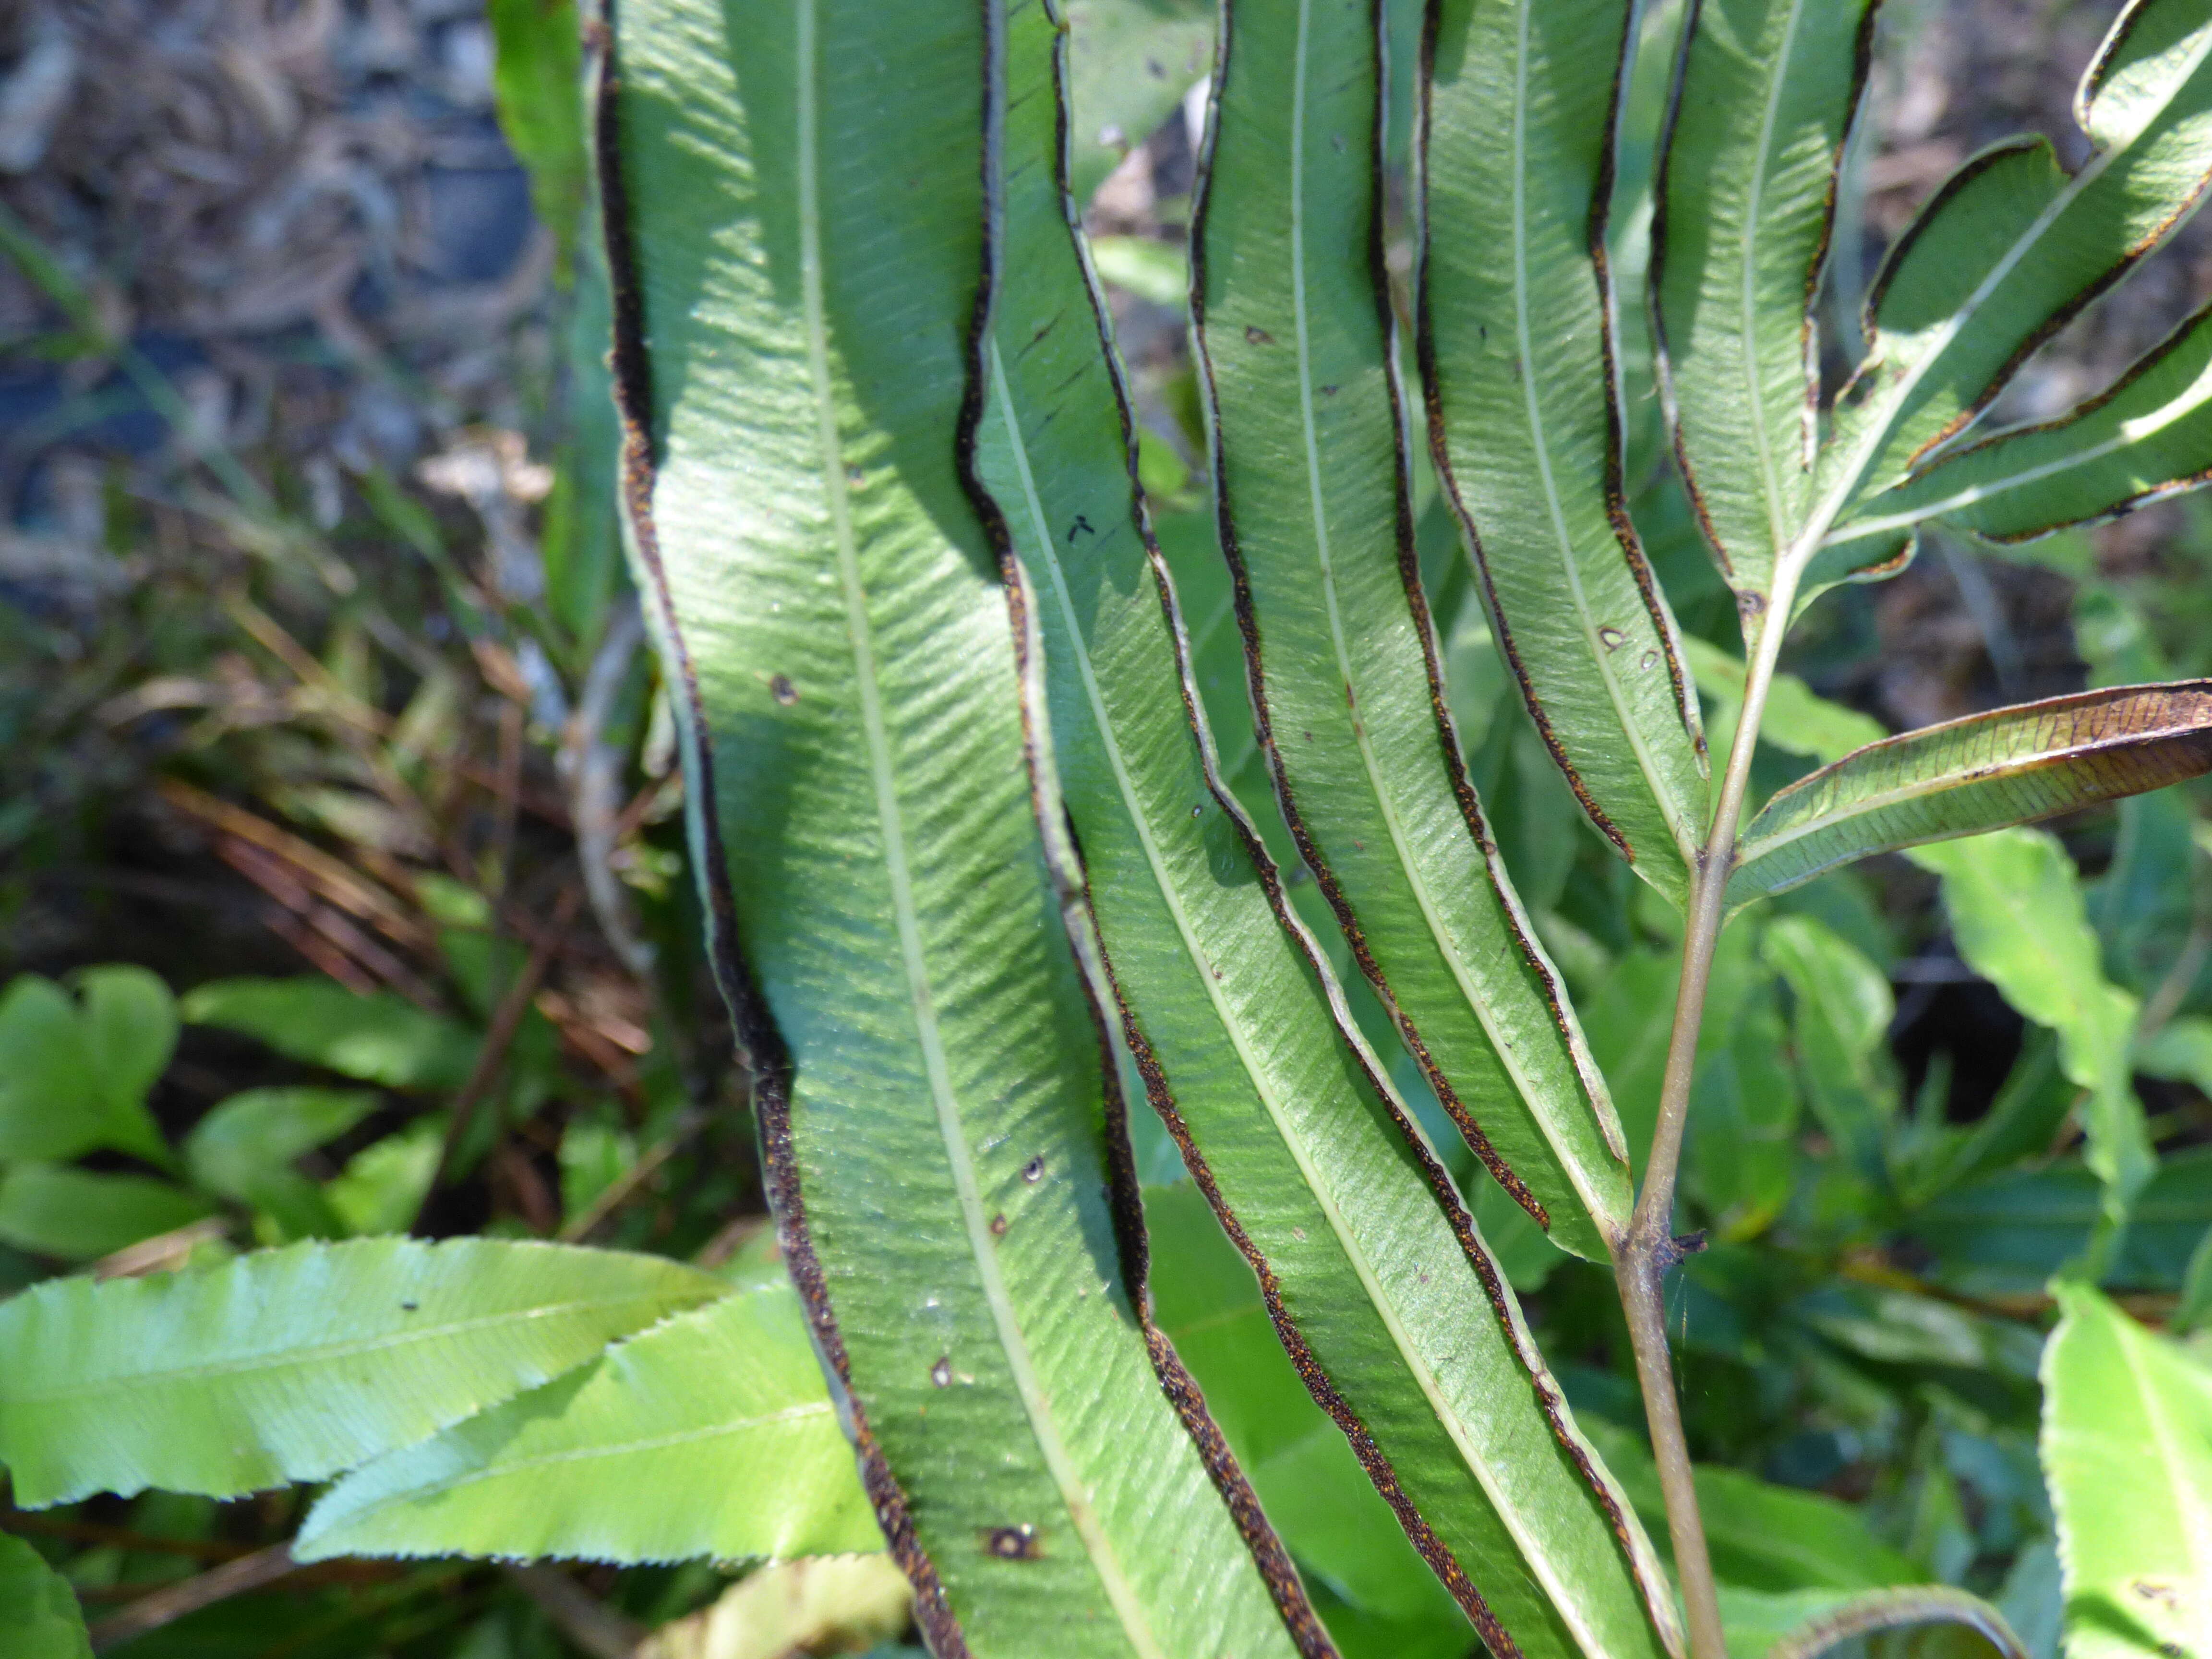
x: 1074, y: 1491
x: 1685, y: 846
x: 580, y: 1455
x: 1448, y: 947
x: 275, y: 1361
x: 1756, y: 847
x: 1370, y: 1282
x: 1754, y: 387
x: 2189, y: 402
x: 1876, y: 436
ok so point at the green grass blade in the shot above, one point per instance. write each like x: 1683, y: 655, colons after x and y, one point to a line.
x: 1523, y: 408
x: 1298, y: 354
x: 2127, y: 1448
x: 1372, y: 1273
x: 1981, y: 773
x: 2012, y: 247
x: 293, y: 1364
x: 1745, y: 201
x: 2147, y: 437
x: 800, y: 250
x: 712, y: 1435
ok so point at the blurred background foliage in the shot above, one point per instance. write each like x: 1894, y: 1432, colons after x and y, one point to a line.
x: 343, y: 884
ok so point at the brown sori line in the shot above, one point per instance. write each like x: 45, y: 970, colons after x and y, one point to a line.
x: 2143, y: 365
x: 2093, y: 79
x: 1418, y: 1531
x: 1379, y: 1471
x: 1616, y: 493
x: 2074, y: 704
x: 756, y: 1025
x: 1862, y: 66
x: 2065, y: 314
x: 2118, y: 510
x: 1263, y: 722
x: 1424, y: 350
x: 1125, y: 1199
x: 2150, y: 361
x: 1424, y: 630
x: 1655, y: 277
x: 1901, y: 250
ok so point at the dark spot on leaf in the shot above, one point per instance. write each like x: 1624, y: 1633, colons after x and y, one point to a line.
x: 1309, y: 736
x: 1258, y: 336
x: 941, y: 1372
x: 409, y: 1307
x: 780, y: 688
x: 998, y: 1227
x: 1012, y: 1543
x: 1153, y: 68
x: 854, y: 476
x: 1337, y: 139
x: 1611, y: 638
x: 1033, y: 1171
x: 1329, y: 392
x: 1751, y: 604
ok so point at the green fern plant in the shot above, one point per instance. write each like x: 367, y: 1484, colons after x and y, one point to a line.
x: 970, y: 854
x: 870, y: 421
x: 954, y: 778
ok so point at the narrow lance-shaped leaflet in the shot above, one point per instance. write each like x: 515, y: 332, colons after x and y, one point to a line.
x: 1514, y: 309
x: 887, y: 924
x: 712, y: 1435
x: 2009, y: 251
x: 1398, y: 1319
x: 1982, y: 773
x: 2146, y: 437
x: 1298, y: 362
x: 1746, y: 198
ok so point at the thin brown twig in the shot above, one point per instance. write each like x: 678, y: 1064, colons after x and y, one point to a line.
x: 277, y: 880
x: 331, y: 877
x: 585, y: 1620
x: 1643, y: 1258
x: 173, y: 1601
x: 506, y: 1021
x: 617, y: 1192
